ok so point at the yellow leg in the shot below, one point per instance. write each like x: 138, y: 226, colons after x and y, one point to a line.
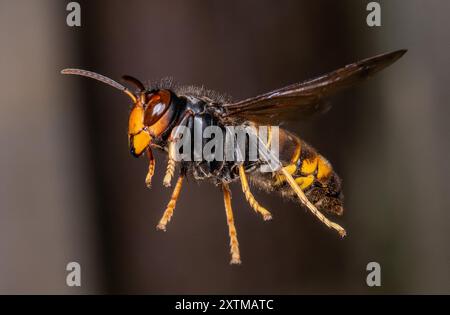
x: 170, y: 165
x: 291, y: 169
x: 310, y: 206
x: 171, y: 206
x: 249, y: 196
x: 234, y: 244
x: 151, y: 168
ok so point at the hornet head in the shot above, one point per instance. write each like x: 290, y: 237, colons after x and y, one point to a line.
x: 150, y: 115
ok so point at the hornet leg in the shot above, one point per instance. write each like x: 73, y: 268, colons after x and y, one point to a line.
x: 171, y: 206
x: 174, y: 136
x: 249, y: 196
x: 301, y: 195
x: 151, y: 168
x: 234, y: 244
x: 170, y: 165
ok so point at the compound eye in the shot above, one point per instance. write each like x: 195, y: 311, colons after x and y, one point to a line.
x: 157, y: 105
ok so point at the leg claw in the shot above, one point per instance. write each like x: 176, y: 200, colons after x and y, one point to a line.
x: 161, y: 227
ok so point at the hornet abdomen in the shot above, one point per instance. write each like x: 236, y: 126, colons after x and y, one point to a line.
x: 311, y: 171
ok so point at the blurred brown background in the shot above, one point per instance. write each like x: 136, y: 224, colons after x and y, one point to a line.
x: 70, y: 190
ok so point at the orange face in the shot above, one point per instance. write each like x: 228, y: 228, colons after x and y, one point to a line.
x: 149, y: 118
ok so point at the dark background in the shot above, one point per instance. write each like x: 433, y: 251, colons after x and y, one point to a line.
x: 70, y: 190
